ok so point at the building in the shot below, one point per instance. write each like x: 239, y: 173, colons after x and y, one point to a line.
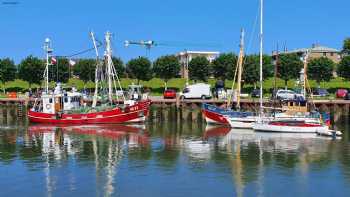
x: 186, y: 56
x: 316, y: 51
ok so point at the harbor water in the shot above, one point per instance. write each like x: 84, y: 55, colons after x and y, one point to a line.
x: 168, y: 158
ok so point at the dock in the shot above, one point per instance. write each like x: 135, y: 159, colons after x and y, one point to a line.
x: 336, y: 106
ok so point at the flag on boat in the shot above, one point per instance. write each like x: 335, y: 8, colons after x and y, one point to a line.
x: 72, y: 63
x: 53, y: 60
x: 326, y: 118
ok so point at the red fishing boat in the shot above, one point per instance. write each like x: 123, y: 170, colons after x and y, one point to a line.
x: 134, y: 113
x: 68, y: 107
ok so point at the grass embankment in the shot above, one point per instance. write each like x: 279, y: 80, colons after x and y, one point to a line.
x: 157, y: 85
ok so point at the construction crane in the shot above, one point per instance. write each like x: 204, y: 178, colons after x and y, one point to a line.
x: 148, y: 44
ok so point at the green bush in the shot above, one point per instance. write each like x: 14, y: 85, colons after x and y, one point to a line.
x: 16, y: 85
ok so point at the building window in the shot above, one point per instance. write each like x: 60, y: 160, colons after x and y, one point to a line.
x: 332, y: 54
x: 324, y: 54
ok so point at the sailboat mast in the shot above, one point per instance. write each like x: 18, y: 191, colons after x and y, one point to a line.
x: 94, y: 102
x: 240, y: 65
x: 109, y: 65
x: 261, y: 56
x: 305, y: 73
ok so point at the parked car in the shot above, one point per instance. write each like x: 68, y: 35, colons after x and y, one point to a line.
x: 320, y: 92
x: 169, y: 94
x: 341, y: 93
x: 220, y: 93
x: 199, y: 90
x: 347, y: 96
x: 255, y: 93
x: 288, y: 95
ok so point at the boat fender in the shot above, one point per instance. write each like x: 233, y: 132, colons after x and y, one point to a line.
x: 48, y: 106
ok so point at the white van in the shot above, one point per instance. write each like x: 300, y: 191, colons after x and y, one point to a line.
x: 199, y: 90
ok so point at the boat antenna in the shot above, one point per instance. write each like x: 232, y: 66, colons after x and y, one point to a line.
x: 261, y: 56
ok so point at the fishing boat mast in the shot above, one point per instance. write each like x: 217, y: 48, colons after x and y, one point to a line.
x: 109, y: 65
x: 48, y: 50
x: 94, y: 102
x: 261, y: 56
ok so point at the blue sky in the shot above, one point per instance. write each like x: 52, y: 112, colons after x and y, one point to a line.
x: 182, y: 24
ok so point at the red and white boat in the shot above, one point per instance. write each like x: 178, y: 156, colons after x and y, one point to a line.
x: 67, y: 107
x: 134, y: 113
x: 229, y: 117
x: 291, y: 126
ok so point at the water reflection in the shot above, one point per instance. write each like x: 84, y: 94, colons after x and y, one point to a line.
x: 103, y: 159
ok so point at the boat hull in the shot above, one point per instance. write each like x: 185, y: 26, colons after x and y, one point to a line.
x: 306, y: 128
x: 214, y: 118
x: 217, y: 115
x: 242, y: 123
x: 131, y: 114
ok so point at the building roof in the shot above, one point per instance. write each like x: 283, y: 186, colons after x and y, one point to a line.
x: 198, y: 52
x: 315, y: 49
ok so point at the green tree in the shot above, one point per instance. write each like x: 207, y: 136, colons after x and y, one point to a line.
x: 344, y: 68
x: 85, y: 69
x: 59, y: 72
x: 199, y: 68
x: 7, y: 70
x: 346, y: 46
x: 31, y: 69
x: 251, y: 68
x: 320, y: 69
x: 119, y: 66
x: 166, y: 67
x: 289, y: 66
x: 139, y: 68
x: 224, y: 66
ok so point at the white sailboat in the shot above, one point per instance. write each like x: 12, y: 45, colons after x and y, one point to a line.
x: 285, y: 122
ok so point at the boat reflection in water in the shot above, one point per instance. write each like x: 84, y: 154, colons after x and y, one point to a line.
x: 102, y: 145
x: 250, y: 153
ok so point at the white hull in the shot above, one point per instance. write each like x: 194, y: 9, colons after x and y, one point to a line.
x: 265, y: 127
x: 212, y: 122
x: 242, y: 123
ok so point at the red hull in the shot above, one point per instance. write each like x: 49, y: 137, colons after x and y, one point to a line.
x: 215, y: 117
x: 135, y: 113
x: 216, y: 132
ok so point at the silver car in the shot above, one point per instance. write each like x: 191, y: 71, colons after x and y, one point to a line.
x: 287, y: 95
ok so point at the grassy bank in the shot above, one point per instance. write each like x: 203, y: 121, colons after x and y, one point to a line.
x: 156, y: 85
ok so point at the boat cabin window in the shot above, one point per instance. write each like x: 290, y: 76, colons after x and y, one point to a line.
x: 50, y: 100
x: 186, y: 90
x: 75, y: 99
x: 66, y: 99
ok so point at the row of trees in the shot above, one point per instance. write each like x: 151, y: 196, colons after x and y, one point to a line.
x: 166, y: 67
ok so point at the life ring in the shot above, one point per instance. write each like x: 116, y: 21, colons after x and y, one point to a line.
x: 48, y: 106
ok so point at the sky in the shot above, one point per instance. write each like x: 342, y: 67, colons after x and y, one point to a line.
x: 176, y: 25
